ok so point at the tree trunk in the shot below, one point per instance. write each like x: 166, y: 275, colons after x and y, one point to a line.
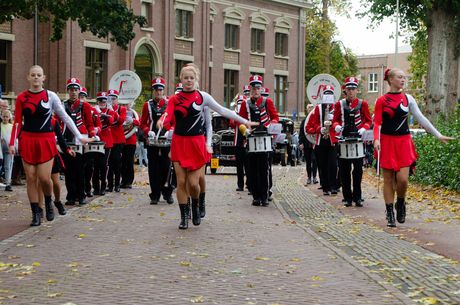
x: 442, y: 74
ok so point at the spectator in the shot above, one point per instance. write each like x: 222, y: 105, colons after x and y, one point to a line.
x: 142, y: 148
x: 5, y: 133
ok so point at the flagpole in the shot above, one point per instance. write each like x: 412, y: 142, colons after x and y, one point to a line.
x: 397, y: 31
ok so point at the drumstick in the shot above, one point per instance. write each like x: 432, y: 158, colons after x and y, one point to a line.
x: 378, y: 162
x: 169, y: 174
x: 159, y: 131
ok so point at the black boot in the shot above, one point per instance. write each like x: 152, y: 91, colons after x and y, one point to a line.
x: 40, y: 212
x: 35, y: 216
x: 390, y: 215
x: 201, y: 204
x: 196, y: 219
x: 400, y: 207
x: 60, y: 207
x: 49, y: 208
x: 189, y: 209
x: 183, y: 217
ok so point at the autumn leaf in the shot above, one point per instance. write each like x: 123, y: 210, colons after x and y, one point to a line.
x: 30, y: 246
x: 55, y: 295
x: 249, y: 285
x: 315, y: 278
x: 50, y: 281
x: 294, y: 260
x: 199, y: 300
x: 36, y: 264
x: 185, y: 264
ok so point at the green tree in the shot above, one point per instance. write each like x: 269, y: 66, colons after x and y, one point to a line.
x: 441, y: 19
x: 98, y: 17
x: 418, y: 62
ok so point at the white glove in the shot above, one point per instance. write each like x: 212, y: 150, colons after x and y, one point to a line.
x: 166, y: 134
x: 129, y: 119
x: 98, y: 109
x: 330, y: 117
x: 97, y: 138
x: 323, y: 130
x: 151, y: 134
x: 338, y: 128
x: 361, y: 131
x: 96, y: 131
x: 109, y: 106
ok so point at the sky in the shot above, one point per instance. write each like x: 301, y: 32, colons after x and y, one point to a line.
x: 354, y: 34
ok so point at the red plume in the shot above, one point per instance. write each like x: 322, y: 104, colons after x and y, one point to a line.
x: 385, y: 75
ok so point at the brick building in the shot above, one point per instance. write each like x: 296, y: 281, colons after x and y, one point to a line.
x: 227, y: 40
x: 372, y: 69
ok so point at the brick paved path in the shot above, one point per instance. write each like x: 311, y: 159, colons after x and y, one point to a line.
x: 299, y: 250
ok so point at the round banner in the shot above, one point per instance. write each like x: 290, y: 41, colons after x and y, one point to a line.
x: 317, y: 83
x: 128, y: 84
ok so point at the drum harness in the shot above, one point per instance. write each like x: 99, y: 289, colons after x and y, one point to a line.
x: 68, y: 135
x: 153, y: 108
x: 349, y: 116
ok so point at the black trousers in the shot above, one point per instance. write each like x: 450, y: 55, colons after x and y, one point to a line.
x: 241, y: 165
x: 259, y: 175
x: 75, y: 176
x: 100, y: 171
x: 345, y: 172
x: 127, y: 164
x: 158, y: 167
x: 115, y: 165
x: 89, y: 169
x: 328, y: 167
x: 310, y: 160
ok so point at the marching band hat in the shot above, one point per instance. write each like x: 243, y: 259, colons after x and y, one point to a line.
x: 343, y: 89
x: 240, y: 98
x: 179, y: 87
x: 246, y: 89
x: 328, y: 89
x: 158, y: 83
x: 83, y: 91
x: 255, y: 81
x: 264, y: 91
x: 73, y: 83
x: 113, y: 93
x: 101, y: 96
x: 351, y: 82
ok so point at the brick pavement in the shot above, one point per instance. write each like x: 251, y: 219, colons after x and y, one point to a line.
x: 299, y: 250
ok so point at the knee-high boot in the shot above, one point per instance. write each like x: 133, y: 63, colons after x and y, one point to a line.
x: 390, y: 215
x: 35, y: 216
x: 183, y: 217
x: 196, y: 219
x: 201, y: 205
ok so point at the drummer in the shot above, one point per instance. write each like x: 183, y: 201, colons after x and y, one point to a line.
x: 127, y: 158
x: 159, y: 161
x: 351, y: 119
x: 259, y: 109
x: 100, y: 164
x: 179, y: 87
x: 80, y: 112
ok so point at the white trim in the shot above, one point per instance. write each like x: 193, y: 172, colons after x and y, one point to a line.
x: 185, y: 5
x: 283, y: 25
x: 233, y: 15
x: 232, y: 67
x: 184, y: 38
x: 257, y: 54
x: 306, y: 7
x: 281, y: 57
x: 6, y: 36
x: 259, y: 20
x: 97, y: 45
x: 190, y: 58
x: 232, y: 50
x: 148, y: 30
x: 156, y: 53
x: 280, y: 72
x: 213, y: 11
x: 211, y: 64
x: 257, y: 70
x: 152, y: 2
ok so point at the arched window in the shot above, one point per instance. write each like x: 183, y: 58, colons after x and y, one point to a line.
x: 144, y: 67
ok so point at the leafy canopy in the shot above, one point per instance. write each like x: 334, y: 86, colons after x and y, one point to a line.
x: 100, y: 17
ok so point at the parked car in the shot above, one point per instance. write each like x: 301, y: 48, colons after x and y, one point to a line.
x: 222, y: 143
x: 286, y: 152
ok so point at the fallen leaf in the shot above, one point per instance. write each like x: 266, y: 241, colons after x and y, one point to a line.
x: 50, y: 281
x: 36, y: 264
x: 315, y: 278
x: 55, y: 295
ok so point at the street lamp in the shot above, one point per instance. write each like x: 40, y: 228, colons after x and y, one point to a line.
x: 97, y: 71
x: 286, y: 88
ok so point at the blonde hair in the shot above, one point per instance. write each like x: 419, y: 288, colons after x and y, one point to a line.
x: 36, y: 67
x: 390, y: 74
x: 10, y: 121
x: 190, y: 67
x: 310, y: 107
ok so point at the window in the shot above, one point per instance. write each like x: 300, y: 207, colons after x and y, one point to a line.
x: 145, y: 69
x: 373, y: 82
x: 95, y: 78
x: 178, y: 65
x: 231, y: 36
x: 4, y: 67
x: 257, y: 40
x: 279, y: 94
x: 183, y: 24
x: 281, y: 44
x: 229, y: 86
x: 146, y: 11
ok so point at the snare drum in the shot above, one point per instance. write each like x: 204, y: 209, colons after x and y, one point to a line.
x: 76, y: 148
x: 160, y: 142
x: 259, y: 143
x: 95, y: 150
x: 351, y: 149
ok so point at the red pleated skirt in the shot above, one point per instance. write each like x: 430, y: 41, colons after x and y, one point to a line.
x: 36, y: 147
x: 190, y: 152
x: 396, y: 152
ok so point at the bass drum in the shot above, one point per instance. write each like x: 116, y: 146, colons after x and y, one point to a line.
x: 317, y: 83
x: 311, y: 137
x: 130, y: 128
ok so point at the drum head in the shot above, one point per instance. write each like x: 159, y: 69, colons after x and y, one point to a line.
x: 317, y: 83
